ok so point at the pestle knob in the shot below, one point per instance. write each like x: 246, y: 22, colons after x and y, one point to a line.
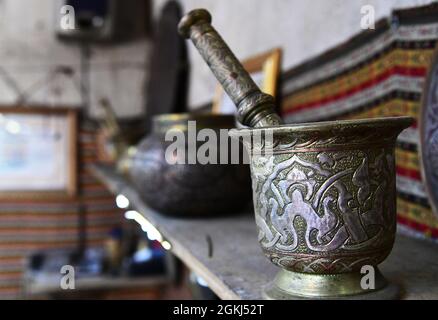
x: 254, y: 108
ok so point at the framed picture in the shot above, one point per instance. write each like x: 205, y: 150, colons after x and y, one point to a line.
x: 264, y: 70
x: 38, y: 152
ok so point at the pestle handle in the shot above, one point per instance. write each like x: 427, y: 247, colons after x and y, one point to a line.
x: 254, y: 108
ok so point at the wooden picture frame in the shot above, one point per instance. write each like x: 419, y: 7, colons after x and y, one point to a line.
x: 264, y: 69
x: 38, y: 153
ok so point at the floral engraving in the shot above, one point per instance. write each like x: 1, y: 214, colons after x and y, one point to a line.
x: 429, y: 135
x: 328, y: 203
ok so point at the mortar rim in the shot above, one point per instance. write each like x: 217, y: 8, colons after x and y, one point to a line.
x: 333, y: 126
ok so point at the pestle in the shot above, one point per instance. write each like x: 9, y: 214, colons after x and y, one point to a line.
x: 254, y: 108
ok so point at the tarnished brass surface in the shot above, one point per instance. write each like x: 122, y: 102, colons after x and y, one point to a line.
x: 125, y: 161
x: 289, y: 285
x: 429, y: 134
x: 325, y: 198
x: 185, y: 189
x: 254, y: 108
x: 323, y: 193
x: 115, y: 135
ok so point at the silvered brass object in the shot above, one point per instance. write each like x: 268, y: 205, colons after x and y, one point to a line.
x: 112, y: 127
x: 324, y: 202
x: 185, y: 189
x: 323, y: 193
x: 254, y: 108
x: 429, y: 134
x: 120, y: 152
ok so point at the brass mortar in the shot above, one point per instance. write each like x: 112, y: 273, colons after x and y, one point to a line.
x: 323, y: 193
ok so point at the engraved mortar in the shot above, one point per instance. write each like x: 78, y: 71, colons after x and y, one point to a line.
x: 324, y: 200
x: 323, y: 193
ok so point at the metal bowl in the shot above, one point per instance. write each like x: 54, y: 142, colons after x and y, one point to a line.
x: 189, y: 189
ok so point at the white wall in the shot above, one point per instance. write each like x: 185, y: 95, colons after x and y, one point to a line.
x: 303, y: 28
x: 29, y: 50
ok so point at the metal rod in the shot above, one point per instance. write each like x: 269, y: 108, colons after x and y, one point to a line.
x: 254, y: 108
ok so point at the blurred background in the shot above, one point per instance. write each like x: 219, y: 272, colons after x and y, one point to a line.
x: 124, y: 61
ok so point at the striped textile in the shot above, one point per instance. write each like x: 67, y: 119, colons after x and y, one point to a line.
x: 34, y: 225
x: 375, y: 74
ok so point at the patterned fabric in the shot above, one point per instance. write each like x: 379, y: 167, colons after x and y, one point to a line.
x: 375, y: 74
x: 30, y: 226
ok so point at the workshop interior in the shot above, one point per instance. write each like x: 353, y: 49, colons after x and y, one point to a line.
x: 218, y: 150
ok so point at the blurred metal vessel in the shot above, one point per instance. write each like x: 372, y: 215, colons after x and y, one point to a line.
x: 184, y: 189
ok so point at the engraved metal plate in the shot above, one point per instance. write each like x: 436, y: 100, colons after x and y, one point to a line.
x: 429, y: 134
